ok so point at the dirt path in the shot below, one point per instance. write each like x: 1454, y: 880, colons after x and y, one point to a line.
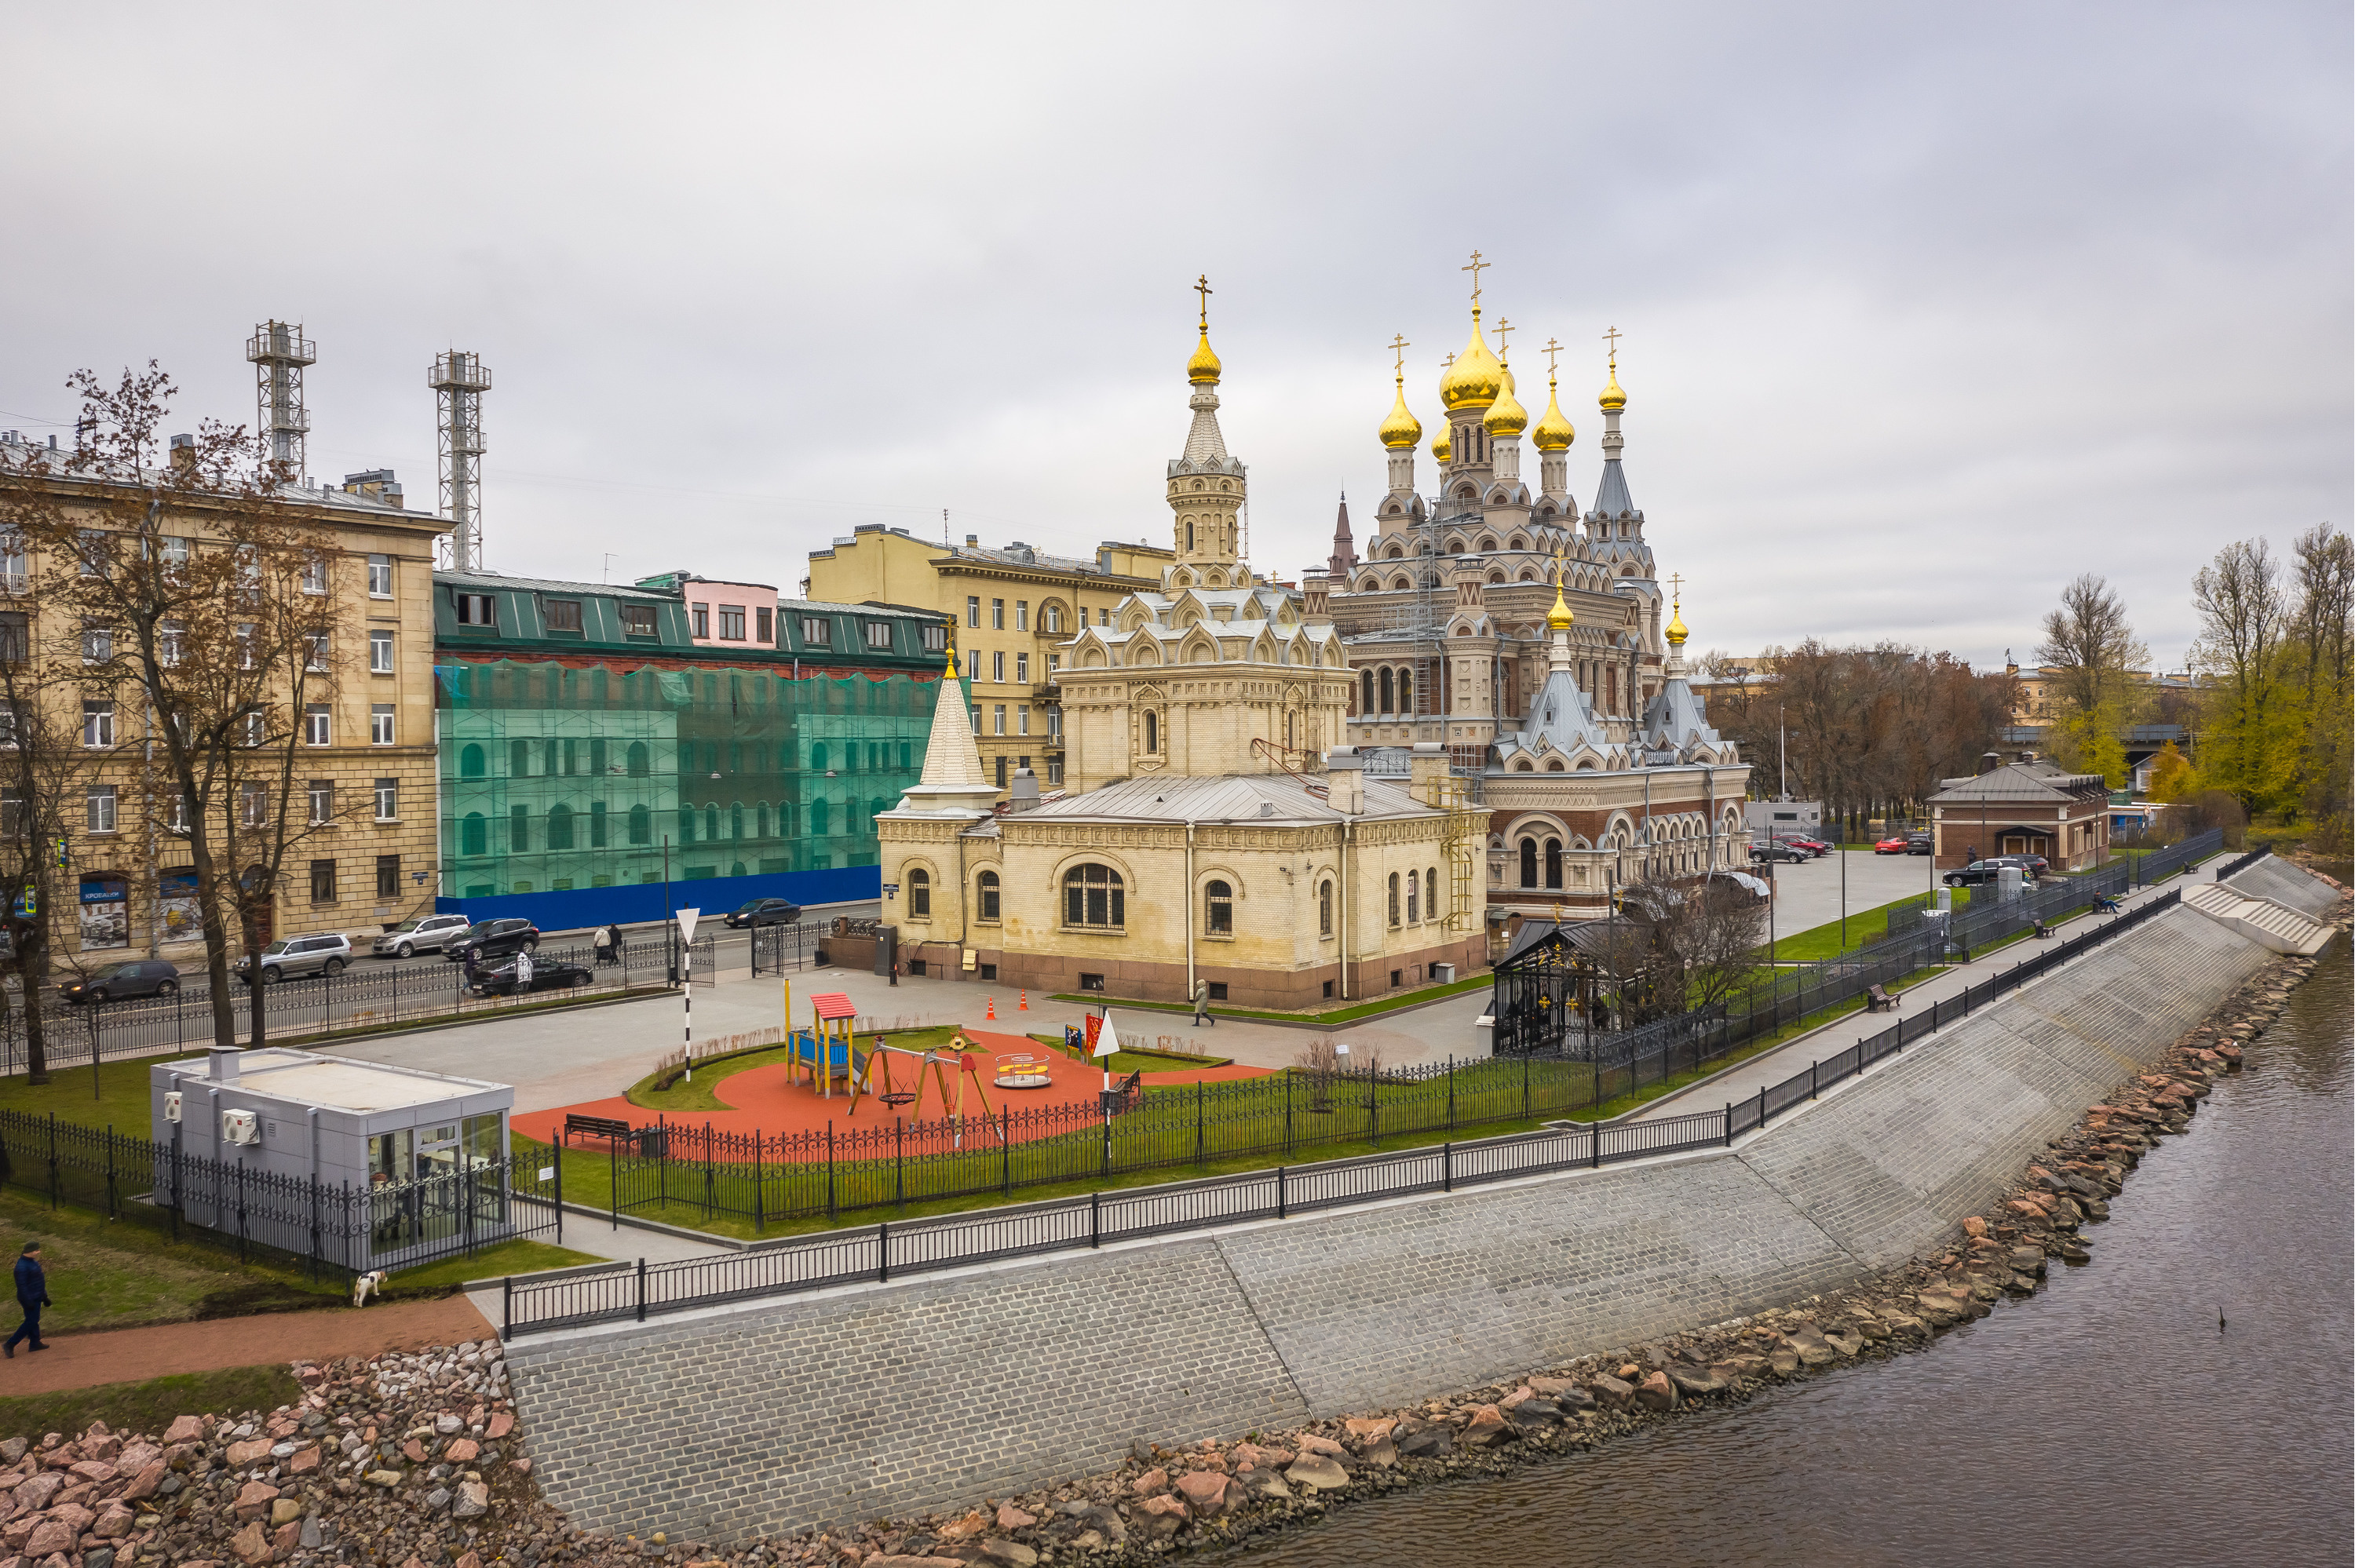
x: 133, y: 1355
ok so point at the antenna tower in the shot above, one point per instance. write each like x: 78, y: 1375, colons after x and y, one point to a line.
x: 279, y: 354
x: 459, y: 380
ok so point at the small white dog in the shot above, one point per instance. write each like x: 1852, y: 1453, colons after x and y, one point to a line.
x: 367, y: 1285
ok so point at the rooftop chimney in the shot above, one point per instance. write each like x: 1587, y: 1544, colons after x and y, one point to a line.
x: 183, y: 452
x: 1989, y: 761
x: 1023, y: 795
x: 1345, y: 780
x: 972, y: 541
x: 223, y: 1064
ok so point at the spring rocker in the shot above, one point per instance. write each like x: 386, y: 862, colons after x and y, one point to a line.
x: 942, y: 1064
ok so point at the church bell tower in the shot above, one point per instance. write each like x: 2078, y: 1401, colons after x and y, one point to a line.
x: 1206, y: 486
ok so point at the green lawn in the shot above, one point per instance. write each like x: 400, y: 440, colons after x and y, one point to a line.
x: 508, y: 1257
x: 1356, y: 1012
x: 118, y: 1274
x: 149, y: 1408
x: 1863, y: 925
x: 121, y: 1101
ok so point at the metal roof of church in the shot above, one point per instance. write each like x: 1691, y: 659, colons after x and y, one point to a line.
x: 1223, y: 798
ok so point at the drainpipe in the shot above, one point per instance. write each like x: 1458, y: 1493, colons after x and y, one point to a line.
x: 1347, y: 825
x: 312, y: 1114
x: 1189, y: 909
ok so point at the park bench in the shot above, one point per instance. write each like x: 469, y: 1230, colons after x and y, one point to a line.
x: 1877, y: 1000
x: 612, y: 1129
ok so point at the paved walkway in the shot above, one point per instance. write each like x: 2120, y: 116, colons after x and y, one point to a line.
x: 133, y: 1355
x: 1744, y: 1080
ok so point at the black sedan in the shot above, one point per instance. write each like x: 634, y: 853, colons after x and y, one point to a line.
x: 1776, y: 850
x: 763, y: 912
x: 144, y: 977
x: 492, y: 940
x: 550, y: 976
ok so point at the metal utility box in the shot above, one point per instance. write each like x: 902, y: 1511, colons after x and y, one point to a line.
x: 361, y: 1125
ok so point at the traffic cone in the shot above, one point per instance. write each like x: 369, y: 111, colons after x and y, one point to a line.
x: 993, y: 1010
x: 1024, y: 1007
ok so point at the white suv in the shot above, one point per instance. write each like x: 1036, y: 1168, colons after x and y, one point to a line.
x: 293, y: 956
x: 425, y: 935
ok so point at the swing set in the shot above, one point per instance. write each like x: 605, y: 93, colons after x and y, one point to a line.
x: 941, y: 1065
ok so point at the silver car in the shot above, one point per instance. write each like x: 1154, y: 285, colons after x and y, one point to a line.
x: 292, y: 958
x: 428, y: 934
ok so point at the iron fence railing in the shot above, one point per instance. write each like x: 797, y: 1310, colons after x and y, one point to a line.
x: 776, y: 948
x: 538, y: 1304
x: 2241, y: 862
x: 367, y: 996
x: 332, y: 1228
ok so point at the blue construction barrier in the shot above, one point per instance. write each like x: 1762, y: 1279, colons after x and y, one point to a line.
x: 579, y: 907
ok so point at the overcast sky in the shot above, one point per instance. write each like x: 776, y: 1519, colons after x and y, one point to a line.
x: 1927, y: 309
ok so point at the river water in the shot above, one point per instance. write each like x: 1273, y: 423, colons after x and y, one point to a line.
x: 2103, y: 1420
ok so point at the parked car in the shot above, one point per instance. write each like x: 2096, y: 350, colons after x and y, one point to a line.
x: 1917, y: 843
x: 142, y: 976
x: 1816, y: 847
x: 1896, y: 844
x: 2035, y: 866
x: 1986, y: 873
x: 292, y: 958
x: 421, y: 935
x: 551, y: 976
x: 1778, y: 849
x: 492, y: 940
x: 763, y: 912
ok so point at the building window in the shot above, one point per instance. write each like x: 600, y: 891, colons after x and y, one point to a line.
x: 1054, y: 722
x: 379, y: 652
x: 879, y: 636
x: 997, y: 718
x: 323, y: 882
x: 1091, y: 982
x: 1022, y: 718
x: 473, y: 835
x: 986, y: 896
x: 919, y: 895
x: 598, y: 828
x: 97, y: 642
x: 998, y: 668
x: 1021, y: 615
x: 379, y: 725
x: 1394, y: 899
x: 253, y: 804
x: 380, y: 576
x: 518, y: 829
x: 16, y: 632
x: 641, y: 825
x: 1413, y: 903
x: 1022, y: 668
x: 701, y: 615
x: 764, y: 630
x: 12, y: 561
x: 638, y: 621
x: 997, y: 615
x: 97, y: 724
x: 1094, y: 898
x: 91, y: 547
x: 478, y: 609
x: 314, y: 652
x: 180, y: 813
x: 1001, y: 773
x: 936, y: 639
x: 387, y: 800
x: 1054, y: 770
x: 976, y: 719
x: 1052, y: 617
x: 561, y: 614
x: 1553, y: 862
x: 1325, y: 907
x: 317, y: 725
x: 559, y: 827
x: 322, y: 794
x: 98, y: 808
x: 972, y: 610
x: 818, y: 631
x: 1219, y: 909
x: 387, y: 877
x: 315, y: 577
x: 1431, y: 894
x: 1152, y: 733
x: 732, y: 623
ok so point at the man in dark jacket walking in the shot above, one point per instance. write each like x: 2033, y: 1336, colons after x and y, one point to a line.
x: 32, y: 1295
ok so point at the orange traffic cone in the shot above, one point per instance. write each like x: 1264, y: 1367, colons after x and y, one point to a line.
x: 993, y: 1010
x: 1026, y: 1003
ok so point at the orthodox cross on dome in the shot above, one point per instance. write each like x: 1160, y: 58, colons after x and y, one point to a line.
x: 1675, y: 585
x: 1202, y: 287
x: 1399, y: 345
x: 1560, y: 551
x: 1552, y: 349
x: 1476, y: 264
x: 1505, y: 328
x: 1611, y: 337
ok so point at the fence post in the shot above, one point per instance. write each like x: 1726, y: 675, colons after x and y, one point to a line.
x: 1198, y: 1121
x: 614, y: 1181
x: 900, y: 1162
x: 1524, y: 1089
x: 314, y: 1224
x: 1594, y: 1145
x: 1447, y: 1168
x: 1762, y: 1108
x: 1279, y: 1193
x: 53, y: 1159
x: 1451, y: 1093
x: 1004, y: 1158
x: 1729, y: 1124
x: 507, y: 1308
x: 1287, y: 1126
x: 558, y: 1156
x: 110, y: 1171
x: 1095, y: 1218
x: 760, y: 1183
x: 829, y: 1171
x: 641, y: 1290
x: 1811, y: 1080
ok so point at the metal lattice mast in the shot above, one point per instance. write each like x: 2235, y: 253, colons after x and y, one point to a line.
x: 459, y: 380
x: 279, y: 353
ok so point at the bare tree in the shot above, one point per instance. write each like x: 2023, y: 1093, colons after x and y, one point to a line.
x: 42, y: 766
x: 2325, y: 587
x: 194, y: 583
x: 2092, y: 642
x: 1711, y: 930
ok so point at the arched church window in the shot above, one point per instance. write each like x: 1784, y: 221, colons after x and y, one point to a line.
x: 1365, y: 679
x: 1528, y: 862
x: 640, y: 759
x: 1189, y: 537
x: 1389, y: 694
x: 1431, y: 894
x: 1219, y: 909
x: 1152, y: 733
x: 986, y: 889
x: 1406, y: 692
x: 1394, y: 900
x: 1553, y: 862
x: 1094, y: 898
x: 920, y: 894
x: 1413, y: 903
x: 1325, y: 909
x: 470, y: 762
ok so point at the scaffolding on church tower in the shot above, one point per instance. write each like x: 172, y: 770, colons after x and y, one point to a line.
x: 459, y: 379
x: 279, y: 354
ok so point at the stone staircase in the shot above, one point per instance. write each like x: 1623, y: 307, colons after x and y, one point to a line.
x: 2262, y: 920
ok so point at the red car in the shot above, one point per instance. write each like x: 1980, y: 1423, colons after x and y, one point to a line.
x: 1896, y: 845
x: 1816, y: 847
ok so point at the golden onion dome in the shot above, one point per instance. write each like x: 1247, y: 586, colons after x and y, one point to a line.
x: 1554, y: 433
x: 1559, y: 618
x: 1401, y: 430
x: 1506, y: 417
x: 1676, y: 632
x: 1440, y: 447
x: 1613, y: 400
x: 1202, y: 370
x: 1476, y: 376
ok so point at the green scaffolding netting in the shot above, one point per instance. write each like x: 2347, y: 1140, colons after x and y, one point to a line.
x: 557, y: 775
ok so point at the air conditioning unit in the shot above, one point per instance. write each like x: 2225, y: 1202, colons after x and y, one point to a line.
x: 241, y: 1126
x: 172, y: 1104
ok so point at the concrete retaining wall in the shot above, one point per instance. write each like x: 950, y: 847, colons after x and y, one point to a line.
x: 2273, y: 878
x: 876, y: 1399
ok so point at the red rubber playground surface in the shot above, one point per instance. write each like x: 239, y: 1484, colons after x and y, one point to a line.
x: 766, y: 1100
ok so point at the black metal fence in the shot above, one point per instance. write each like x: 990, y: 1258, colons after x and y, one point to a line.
x: 622, y: 1291
x: 371, y: 995
x: 776, y: 948
x: 2241, y: 862
x: 335, y: 1229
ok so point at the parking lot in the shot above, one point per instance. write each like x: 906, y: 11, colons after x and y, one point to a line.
x: 1808, y: 894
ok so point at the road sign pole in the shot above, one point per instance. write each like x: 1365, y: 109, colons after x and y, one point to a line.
x: 687, y: 918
